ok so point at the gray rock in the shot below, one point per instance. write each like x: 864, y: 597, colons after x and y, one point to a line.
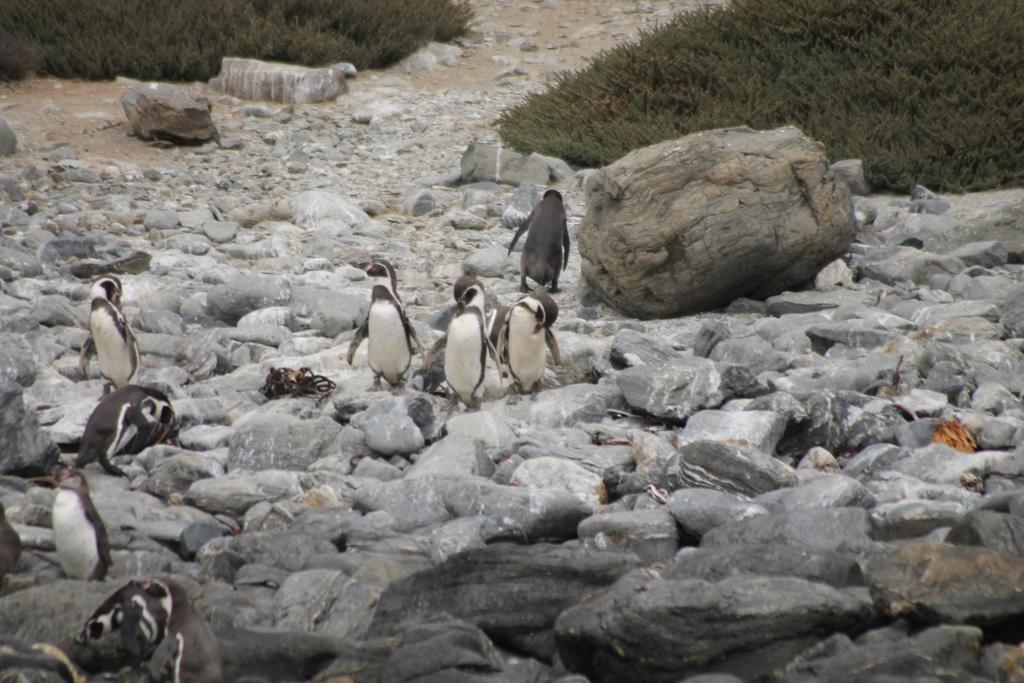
x: 631, y: 348
x: 698, y: 511
x: 241, y: 294
x: 942, y: 652
x: 651, y: 534
x: 836, y: 529
x: 677, y: 389
x: 220, y: 231
x: 8, y: 140
x: 281, y: 442
x: 938, y: 583
x: 627, y: 203
x: 196, y: 535
x: 858, y: 334
x: 22, y: 263
x: 488, y: 262
x: 909, y: 265
x: 465, y: 220
x: 320, y: 209
x: 390, y: 430
x: 489, y: 161
x: 828, y: 491
x: 520, y: 205
x: 994, y: 530
x: 176, y: 470
x: 411, y: 502
x: 443, y: 649
x: 715, y: 564
x: 236, y: 492
x: 455, y: 455
x: 533, y: 514
x: 420, y: 202
x: 841, y: 422
x: 988, y: 254
x: 169, y: 112
x: 569, y: 405
x: 851, y: 172
x: 16, y: 362
x: 551, y: 473
x: 290, y: 551
x: 658, y: 630
x: 760, y: 429
x: 251, y: 79
x: 710, y: 464
x: 24, y: 449
x: 484, y: 587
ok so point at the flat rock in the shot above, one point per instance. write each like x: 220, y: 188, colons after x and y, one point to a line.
x: 651, y: 534
x: 760, y: 429
x: 677, y: 389
x: 169, y: 112
x: 252, y: 79
x: 721, y: 562
x: 835, y: 529
x: 699, y: 510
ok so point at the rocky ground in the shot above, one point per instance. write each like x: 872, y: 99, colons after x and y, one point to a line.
x: 755, y: 492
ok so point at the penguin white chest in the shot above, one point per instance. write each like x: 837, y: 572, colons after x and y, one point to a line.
x: 526, y: 351
x: 114, y: 352
x: 463, y: 356
x: 74, y: 537
x: 388, y: 352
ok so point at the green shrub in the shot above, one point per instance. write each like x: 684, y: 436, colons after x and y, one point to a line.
x: 17, y: 58
x: 923, y: 92
x: 186, y: 39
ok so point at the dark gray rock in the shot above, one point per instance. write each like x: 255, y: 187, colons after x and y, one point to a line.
x: 942, y: 653
x: 677, y: 389
x: 841, y: 422
x: 715, y: 564
x: 994, y: 530
x: 8, y: 140
x: 835, y: 529
x: 751, y: 352
x: 658, y: 630
x: 24, y: 449
x: 537, y: 514
x: 236, y: 492
x: 443, y: 649
x: 651, y: 534
x: 698, y: 510
x: 281, y: 655
x: 858, y: 334
x: 196, y: 535
x: 484, y: 588
x: 290, y: 551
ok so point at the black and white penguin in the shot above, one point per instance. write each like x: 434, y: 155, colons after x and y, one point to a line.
x: 546, y: 251
x: 522, y: 338
x: 126, y: 421
x: 189, y: 653
x: 392, y: 340
x: 465, y: 353
x: 10, y: 546
x: 140, y: 618
x: 78, y: 530
x: 37, y: 662
x: 111, y: 337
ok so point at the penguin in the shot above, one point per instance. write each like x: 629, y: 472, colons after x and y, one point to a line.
x: 78, y: 531
x: 546, y: 251
x: 189, y: 652
x: 112, y: 339
x: 522, y: 338
x: 392, y: 339
x: 140, y: 618
x: 126, y: 421
x: 10, y: 546
x: 37, y: 662
x: 465, y: 344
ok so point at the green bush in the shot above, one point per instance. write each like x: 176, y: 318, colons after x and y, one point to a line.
x: 186, y: 39
x: 923, y: 92
x: 17, y: 58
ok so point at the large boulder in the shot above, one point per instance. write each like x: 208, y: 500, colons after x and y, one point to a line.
x: 688, y: 225
x: 24, y: 449
x: 169, y: 112
x: 251, y: 79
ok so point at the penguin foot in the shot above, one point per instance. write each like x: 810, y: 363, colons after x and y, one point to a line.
x: 523, y: 288
x: 376, y: 386
x: 554, y: 289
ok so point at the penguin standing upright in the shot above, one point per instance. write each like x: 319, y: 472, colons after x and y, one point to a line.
x: 546, y: 251
x: 10, y: 546
x: 189, y: 653
x: 125, y: 421
x: 465, y: 344
x: 392, y: 339
x: 111, y: 337
x: 522, y: 339
x: 78, y: 530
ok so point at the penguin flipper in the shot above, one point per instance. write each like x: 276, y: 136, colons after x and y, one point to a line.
x: 358, y: 339
x: 438, y: 346
x: 147, y: 432
x: 161, y: 664
x: 565, y: 244
x: 102, y: 540
x: 523, y: 227
x: 88, y: 349
x: 549, y: 338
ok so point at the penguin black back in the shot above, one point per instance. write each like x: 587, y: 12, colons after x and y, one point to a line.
x: 546, y: 251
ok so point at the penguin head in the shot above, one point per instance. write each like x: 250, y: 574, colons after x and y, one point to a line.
x: 550, y: 307
x: 107, y: 287
x: 71, y: 479
x: 379, y: 268
x: 461, y: 285
x: 471, y: 296
x: 553, y: 195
